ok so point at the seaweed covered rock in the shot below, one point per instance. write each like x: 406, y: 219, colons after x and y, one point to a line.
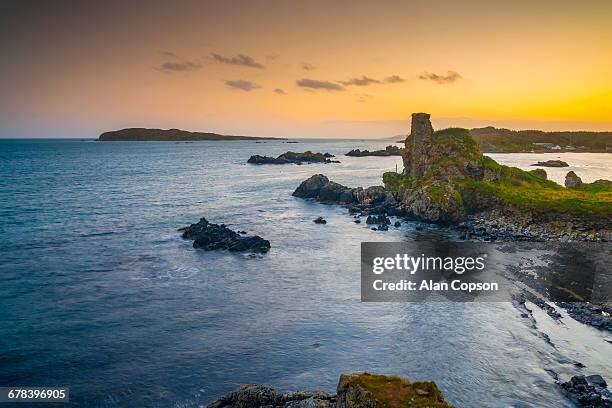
x: 209, y: 237
x: 293, y: 158
x: 364, y: 390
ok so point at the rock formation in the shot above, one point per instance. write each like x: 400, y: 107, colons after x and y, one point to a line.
x: 541, y: 173
x: 360, y: 390
x: 551, y: 163
x: 416, y: 154
x: 210, y: 237
x: 388, y: 151
x: 572, y: 180
x: 293, y: 158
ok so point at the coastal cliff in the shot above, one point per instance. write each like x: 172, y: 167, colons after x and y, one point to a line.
x: 174, y: 135
x: 447, y: 179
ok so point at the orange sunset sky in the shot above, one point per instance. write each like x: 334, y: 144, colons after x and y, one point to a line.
x: 303, y: 69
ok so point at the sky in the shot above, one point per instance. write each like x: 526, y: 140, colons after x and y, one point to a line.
x: 303, y: 68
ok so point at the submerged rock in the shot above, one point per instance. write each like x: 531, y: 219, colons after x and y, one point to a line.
x: 293, y: 158
x: 209, y: 237
x: 319, y: 220
x: 551, y: 163
x: 572, y: 180
x: 388, y: 151
x: 360, y: 390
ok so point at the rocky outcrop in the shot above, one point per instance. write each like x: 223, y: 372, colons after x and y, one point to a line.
x: 417, y: 144
x: 590, y: 391
x: 388, y: 151
x: 361, y: 390
x: 551, y: 163
x: 209, y: 237
x: 572, y: 180
x: 320, y: 188
x: 293, y: 158
x: 256, y: 396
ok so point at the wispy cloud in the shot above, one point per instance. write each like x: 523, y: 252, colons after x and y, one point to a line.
x: 363, y: 81
x: 394, y: 79
x: 169, y: 54
x: 272, y: 57
x: 449, y: 78
x: 279, y: 91
x: 316, y: 84
x: 242, y: 85
x: 179, y: 66
x: 307, y: 67
x: 240, y: 59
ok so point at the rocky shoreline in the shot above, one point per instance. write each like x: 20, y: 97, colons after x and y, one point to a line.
x: 387, y: 151
x: 360, y: 390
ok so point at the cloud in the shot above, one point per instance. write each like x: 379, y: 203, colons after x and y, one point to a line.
x: 179, y: 66
x: 394, y: 79
x: 241, y: 85
x: 315, y: 84
x: 168, y: 54
x: 449, y: 78
x: 363, y: 81
x: 272, y: 57
x: 240, y: 59
x: 308, y: 67
x: 279, y: 91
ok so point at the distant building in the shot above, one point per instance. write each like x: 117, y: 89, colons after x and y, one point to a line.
x: 550, y: 146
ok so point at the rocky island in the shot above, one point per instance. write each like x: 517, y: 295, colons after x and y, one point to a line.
x: 360, y: 390
x: 551, y: 163
x: 172, y: 135
x: 293, y: 158
x: 388, y: 151
x: 446, y: 179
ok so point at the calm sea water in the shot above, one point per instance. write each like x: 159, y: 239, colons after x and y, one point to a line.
x: 99, y: 292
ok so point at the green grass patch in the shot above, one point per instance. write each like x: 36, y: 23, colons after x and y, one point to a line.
x: 396, y: 392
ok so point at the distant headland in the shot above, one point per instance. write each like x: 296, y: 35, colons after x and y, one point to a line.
x: 172, y: 135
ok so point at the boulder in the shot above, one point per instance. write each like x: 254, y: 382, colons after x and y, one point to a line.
x: 572, y: 180
x: 319, y: 220
x: 209, y: 237
x: 588, y: 391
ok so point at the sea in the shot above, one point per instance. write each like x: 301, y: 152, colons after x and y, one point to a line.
x: 100, y: 294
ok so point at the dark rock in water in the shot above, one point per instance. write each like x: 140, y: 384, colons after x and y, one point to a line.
x: 320, y: 220
x: 378, y: 219
x: 320, y: 188
x: 293, y: 158
x: 388, y: 151
x: 572, y: 180
x: 589, y: 391
x: 541, y: 173
x: 551, y: 163
x: 210, y: 237
x: 397, y: 224
x: 358, y: 221
x: 383, y: 227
